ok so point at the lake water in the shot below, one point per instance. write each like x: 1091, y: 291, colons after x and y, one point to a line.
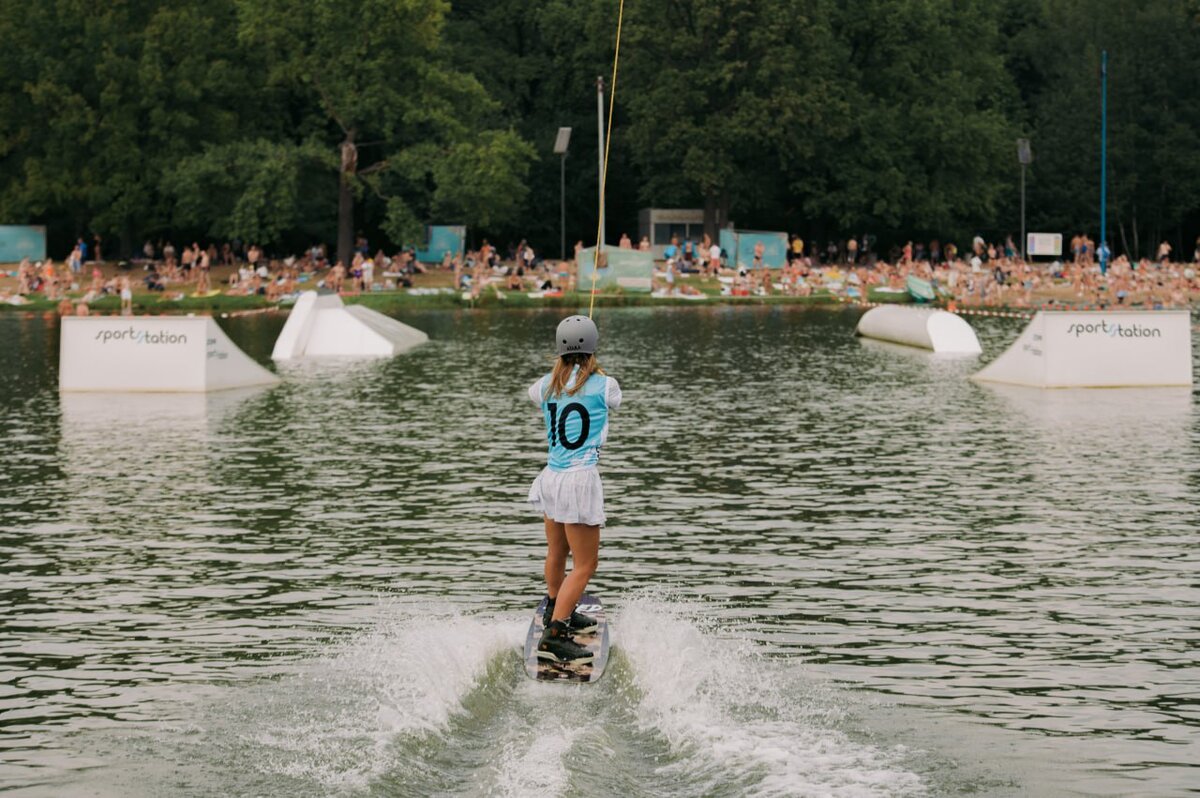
x: 835, y: 568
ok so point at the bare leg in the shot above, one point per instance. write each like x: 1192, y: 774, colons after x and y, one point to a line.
x: 584, y: 541
x: 556, y: 556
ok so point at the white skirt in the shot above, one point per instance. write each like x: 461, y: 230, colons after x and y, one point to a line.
x: 569, y: 497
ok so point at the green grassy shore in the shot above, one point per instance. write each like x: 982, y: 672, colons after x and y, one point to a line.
x: 388, y: 301
x: 177, y: 300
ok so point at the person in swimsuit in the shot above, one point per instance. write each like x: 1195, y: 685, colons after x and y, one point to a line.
x: 126, y: 297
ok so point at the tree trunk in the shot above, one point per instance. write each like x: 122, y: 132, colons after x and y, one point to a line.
x: 128, y: 246
x: 710, y: 216
x: 726, y: 201
x: 1137, y: 244
x: 345, y: 235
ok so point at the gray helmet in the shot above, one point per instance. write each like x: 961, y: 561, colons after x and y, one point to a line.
x: 576, y: 334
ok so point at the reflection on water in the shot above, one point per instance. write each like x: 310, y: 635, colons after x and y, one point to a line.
x: 143, y: 432
x: 233, y: 585
x: 1079, y: 413
x: 890, y: 349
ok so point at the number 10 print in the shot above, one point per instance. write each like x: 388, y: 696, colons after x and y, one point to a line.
x: 558, y: 425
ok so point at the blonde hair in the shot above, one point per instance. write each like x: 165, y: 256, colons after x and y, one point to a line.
x: 563, y: 368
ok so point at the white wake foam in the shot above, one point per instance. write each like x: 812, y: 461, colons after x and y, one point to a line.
x: 535, y: 766
x: 406, y: 676
x: 731, y: 715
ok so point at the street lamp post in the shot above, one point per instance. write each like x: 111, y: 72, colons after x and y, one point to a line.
x: 561, y: 142
x: 1025, y: 156
x: 1104, y: 248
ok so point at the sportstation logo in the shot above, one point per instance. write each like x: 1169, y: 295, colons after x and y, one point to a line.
x: 1114, y: 329
x: 136, y: 336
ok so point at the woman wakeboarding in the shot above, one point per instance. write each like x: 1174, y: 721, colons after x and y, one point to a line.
x: 575, y: 397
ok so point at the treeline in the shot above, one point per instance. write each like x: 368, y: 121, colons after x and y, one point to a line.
x: 290, y: 121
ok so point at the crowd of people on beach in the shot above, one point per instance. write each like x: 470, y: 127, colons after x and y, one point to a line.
x: 523, y: 270
x: 987, y: 274
x: 163, y: 268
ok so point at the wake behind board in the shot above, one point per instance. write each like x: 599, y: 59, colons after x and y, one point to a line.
x: 596, y: 642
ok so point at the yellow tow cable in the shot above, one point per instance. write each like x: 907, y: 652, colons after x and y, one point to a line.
x: 612, y: 101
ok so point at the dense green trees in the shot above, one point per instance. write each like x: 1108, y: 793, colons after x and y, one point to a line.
x: 98, y: 103
x: 897, y: 117
x: 926, y: 144
x: 255, y: 119
x: 1154, y: 121
x: 375, y: 73
x: 285, y: 122
x: 724, y: 97
x: 540, y: 59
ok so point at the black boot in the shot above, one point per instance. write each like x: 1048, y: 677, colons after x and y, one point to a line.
x: 578, y: 623
x: 581, y: 624
x: 556, y: 645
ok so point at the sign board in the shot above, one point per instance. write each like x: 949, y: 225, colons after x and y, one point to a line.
x: 1098, y: 349
x: 1046, y: 245
x: 22, y: 241
x: 676, y: 216
x: 440, y: 240
x: 739, y: 248
x: 627, y: 269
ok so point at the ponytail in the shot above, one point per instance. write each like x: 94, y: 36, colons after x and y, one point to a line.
x: 564, y: 366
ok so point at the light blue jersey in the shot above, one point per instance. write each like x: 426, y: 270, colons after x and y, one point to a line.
x: 576, y: 426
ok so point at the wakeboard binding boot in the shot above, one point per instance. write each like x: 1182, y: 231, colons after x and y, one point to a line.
x: 557, y: 645
x: 578, y: 623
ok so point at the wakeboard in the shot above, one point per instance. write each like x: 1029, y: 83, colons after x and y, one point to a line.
x: 597, y: 642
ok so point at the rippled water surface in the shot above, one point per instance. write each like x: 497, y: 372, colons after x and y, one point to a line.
x: 836, y: 568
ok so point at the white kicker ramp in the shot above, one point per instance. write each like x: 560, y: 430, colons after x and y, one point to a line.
x: 1098, y: 349
x: 152, y: 353
x: 320, y: 325
x: 924, y: 328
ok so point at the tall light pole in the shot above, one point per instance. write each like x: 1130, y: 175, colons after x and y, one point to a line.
x: 1025, y: 156
x: 561, y: 142
x: 1103, y: 162
x: 600, y: 128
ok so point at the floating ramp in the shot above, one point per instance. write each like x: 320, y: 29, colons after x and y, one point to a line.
x: 936, y: 330
x: 321, y: 325
x: 1098, y: 349
x: 152, y: 353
